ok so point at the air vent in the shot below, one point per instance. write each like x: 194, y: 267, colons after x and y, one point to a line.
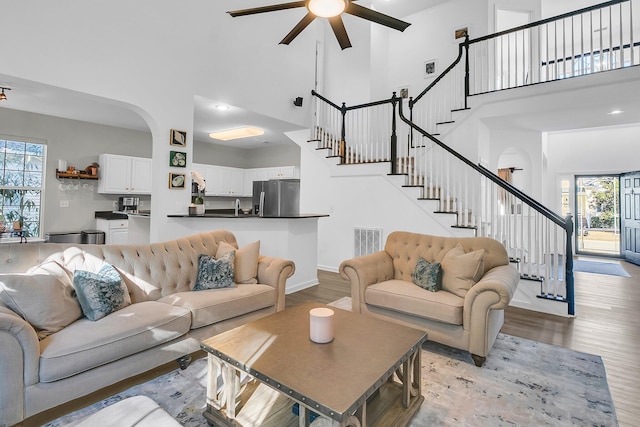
x: 366, y: 241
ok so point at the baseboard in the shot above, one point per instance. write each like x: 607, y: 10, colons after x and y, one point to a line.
x: 300, y: 286
x: 327, y: 268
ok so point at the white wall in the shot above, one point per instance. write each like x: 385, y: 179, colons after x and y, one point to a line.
x: 370, y: 201
x: 431, y: 36
x: 521, y: 149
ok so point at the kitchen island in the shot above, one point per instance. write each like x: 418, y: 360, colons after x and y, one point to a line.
x: 139, y: 223
x: 292, y: 237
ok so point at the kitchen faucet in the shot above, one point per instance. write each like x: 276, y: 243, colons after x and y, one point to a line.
x: 237, y: 206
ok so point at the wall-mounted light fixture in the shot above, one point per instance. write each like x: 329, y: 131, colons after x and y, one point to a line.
x: 3, y: 97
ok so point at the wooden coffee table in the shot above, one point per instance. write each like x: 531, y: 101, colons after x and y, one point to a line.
x: 368, y: 375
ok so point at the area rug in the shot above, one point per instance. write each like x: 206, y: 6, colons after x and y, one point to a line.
x: 609, y: 268
x: 522, y: 383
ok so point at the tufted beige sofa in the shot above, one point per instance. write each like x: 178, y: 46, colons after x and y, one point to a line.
x: 165, y: 321
x: 381, y: 285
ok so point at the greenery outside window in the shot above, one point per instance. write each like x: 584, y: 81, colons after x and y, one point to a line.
x: 21, y: 185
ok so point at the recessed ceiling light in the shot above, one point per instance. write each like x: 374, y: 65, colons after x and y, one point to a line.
x: 614, y: 112
x: 243, y: 132
x: 221, y: 107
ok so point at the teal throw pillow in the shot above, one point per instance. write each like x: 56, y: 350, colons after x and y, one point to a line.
x: 215, y: 273
x: 101, y: 293
x: 427, y: 275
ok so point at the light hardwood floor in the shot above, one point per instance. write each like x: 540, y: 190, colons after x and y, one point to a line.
x: 607, y: 324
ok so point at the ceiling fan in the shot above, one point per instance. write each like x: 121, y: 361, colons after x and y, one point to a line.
x: 331, y: 9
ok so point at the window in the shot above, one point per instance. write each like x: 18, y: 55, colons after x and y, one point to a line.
x: 21, y: 185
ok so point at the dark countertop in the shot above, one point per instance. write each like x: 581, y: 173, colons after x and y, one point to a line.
x: 242, y: 216
x: 110, y: 215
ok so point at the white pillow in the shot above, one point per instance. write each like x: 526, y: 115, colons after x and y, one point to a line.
x: 43, y: 300
x: 460, y: 270
x: 246, y: 263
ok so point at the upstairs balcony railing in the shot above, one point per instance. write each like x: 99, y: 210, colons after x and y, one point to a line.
x: 590, y: 40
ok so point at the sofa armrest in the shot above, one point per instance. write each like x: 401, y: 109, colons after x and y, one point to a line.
x: 493, y: 292
x: 364, y: 271
x: 482, y: 314
x: 275, y: 272
x: 19, y: 361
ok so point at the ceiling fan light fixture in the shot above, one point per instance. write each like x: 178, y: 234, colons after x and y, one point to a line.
x: 327, y: 8
x: 3, y: 96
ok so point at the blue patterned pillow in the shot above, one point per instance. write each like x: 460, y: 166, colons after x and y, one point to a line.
x: 100, y: 293
x: 215, y: 273
x: 427, y: 275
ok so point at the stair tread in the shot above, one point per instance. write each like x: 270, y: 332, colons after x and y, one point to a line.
x: 369, y: 162
x: 550, y: 297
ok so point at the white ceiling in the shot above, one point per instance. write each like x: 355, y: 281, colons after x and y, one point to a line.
x: 207, y: 118
x: 54, y: 101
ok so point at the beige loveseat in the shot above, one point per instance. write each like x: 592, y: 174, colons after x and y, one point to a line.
x: 166, y: 320
x: 382, y: 285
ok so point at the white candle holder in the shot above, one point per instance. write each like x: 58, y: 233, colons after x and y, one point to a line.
x: 321, y: 325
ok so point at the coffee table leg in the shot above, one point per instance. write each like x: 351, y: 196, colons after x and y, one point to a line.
x: 213, y: 373
x: 231, y: 389
x: 411, y: 383
x: 417, y: 373
x: 227, y: 398
x: 303, y: 417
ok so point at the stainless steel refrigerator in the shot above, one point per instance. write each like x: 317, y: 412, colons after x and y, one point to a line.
x: 276, y: 197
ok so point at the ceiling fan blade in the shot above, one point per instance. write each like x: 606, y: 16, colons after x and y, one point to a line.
x: 377, y: 17
x: 304, y: 22
x: 263, y: 9
x: 340, y: 31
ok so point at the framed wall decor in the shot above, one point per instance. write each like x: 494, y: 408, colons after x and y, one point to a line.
x: 178, y: 137
x: 177, y: 181
x: 177, y: 159
x: 429, y: 69
x: 460, y: 33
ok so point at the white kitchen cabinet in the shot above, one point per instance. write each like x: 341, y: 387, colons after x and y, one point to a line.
x: 255, y: 174
x: 224, y: 181
x: 282, y: 172
x: 116, y: 231
x: 236, y: 182
x: 124, y: 175
x: 205, y: 171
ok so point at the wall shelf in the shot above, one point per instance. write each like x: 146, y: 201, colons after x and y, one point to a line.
x: 79, y: 175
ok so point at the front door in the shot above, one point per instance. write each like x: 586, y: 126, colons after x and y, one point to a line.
x: 630, y: 218
x: 597, y: 199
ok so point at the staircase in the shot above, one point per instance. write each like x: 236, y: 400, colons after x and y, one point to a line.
x: 409, y: 136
